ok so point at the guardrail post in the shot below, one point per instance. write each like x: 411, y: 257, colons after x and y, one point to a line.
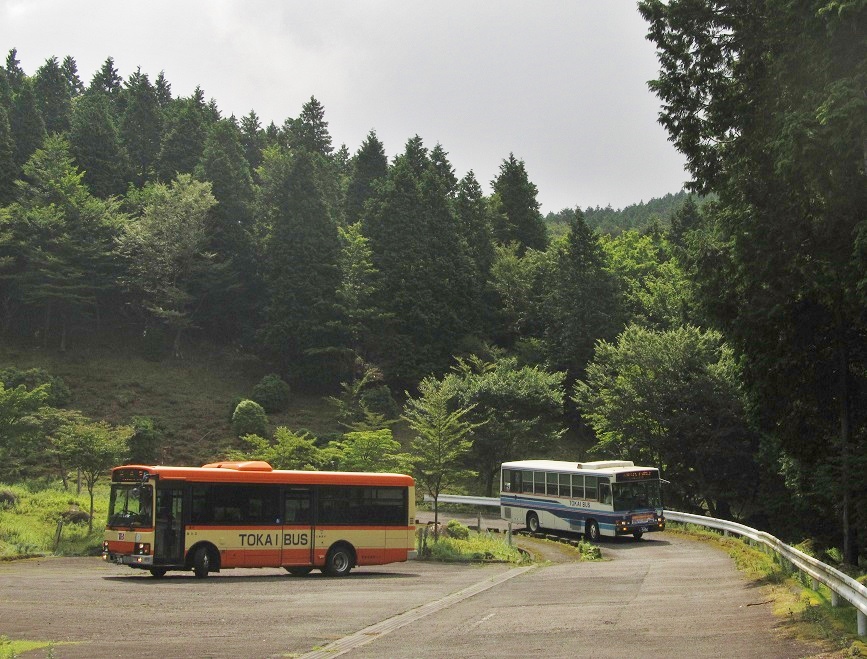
x: 835, y: 598
x: 509, y: 535
x: 814, y: 583
x: 862, y: 624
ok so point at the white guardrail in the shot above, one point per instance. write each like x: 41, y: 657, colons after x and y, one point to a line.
x: 841, y: 585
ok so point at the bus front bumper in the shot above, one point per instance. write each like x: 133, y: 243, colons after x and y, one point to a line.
x: 128, y: 559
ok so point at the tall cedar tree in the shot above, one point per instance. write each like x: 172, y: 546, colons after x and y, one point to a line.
x: 310, y: 130
x: 8, y: 168
x: 302, y: 275
x: 95, y: 143
x: 183, y: 138
x: 53, y: 96
x: 107, y: 81
x: 69, y: 69
x: 518, y: 218
x: 582, y: 300
x: 423, y: 270
x: 140, y: 125
x: 14, y: 73
x: 230, y: 305
x: 252, y: 139
x: 369, y: 164
x: 780, y: 139
x: 28, y: 129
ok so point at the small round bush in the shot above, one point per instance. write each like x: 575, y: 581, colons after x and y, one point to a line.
x: 272, y: 393
x: 379, y: 400
x: 455, y: 529
x: 8, y: 498
x: 249, y: 419
x: 144, y: 445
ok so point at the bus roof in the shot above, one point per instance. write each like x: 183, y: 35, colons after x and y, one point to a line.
x: 261, y: 472
x: 607, y: 466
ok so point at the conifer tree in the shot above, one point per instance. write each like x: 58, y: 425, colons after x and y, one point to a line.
x: 369, y: 164
x: 231, y: 303
x: 14, y: 73
x: 310, y: 130
x: 252, y: 139
x: 53, y: 96
x: 60, y: 238
x: 163, y: 90
x: 107, y: 81
x: 28, y: 129
x: 8, y: 168
x: 94, y: 142
x: 301, y: 270
x: 183, y: 138
x: 140, y: 125
x: 518, y: 218
x: 69, y: 69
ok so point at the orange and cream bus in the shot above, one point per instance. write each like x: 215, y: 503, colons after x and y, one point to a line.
x: 246, y: 514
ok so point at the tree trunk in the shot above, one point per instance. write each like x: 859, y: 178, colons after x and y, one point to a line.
x: 176, y: 345
x: 90, y: 521
x: 63, y: 333
x: 47, y: 326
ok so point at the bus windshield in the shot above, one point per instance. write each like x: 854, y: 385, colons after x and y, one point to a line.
x: 637, y: 495
x: 130, y: 505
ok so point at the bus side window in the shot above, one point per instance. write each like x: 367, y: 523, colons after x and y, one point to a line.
x: 577, y: 486
x: 565, y: 488
x: 527, y: 482
x: 590, y: 487
x: 515, y: 483
x: 604, y: 492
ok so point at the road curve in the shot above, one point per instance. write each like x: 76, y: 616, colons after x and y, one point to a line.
x: 665, y: 596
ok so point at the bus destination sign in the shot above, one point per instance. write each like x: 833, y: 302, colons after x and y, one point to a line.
x: 129, y: 475
x: 638, y: 475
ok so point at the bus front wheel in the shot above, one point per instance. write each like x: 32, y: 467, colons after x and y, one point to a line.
x: 158, y: 572
x: 591, y: 530
x: 637, y: 535
x: 533, y: 522
x: 299, y: 571
x: 202, y: 562
x: 339, y: 561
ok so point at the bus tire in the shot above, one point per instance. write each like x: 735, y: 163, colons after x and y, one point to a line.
x: 637, y: 535
x: 299, y: 571
x: 202, y: 562
x: 158, y: 572
x: 339, y: 561
x: 533, y: 522
x: 591, y: 530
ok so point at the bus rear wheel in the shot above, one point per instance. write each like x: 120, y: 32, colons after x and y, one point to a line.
x: 339, y: 561
x: 637, y: 535
x: 591, y: 530
x: 202, y: 562
x: 299, y: 571
x: 533, y: 522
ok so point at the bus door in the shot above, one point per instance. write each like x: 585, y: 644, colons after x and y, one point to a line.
x: 169, y: 528
x: 297, y: 527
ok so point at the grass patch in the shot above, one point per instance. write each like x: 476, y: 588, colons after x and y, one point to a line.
x: 808, y: 613
x: 468, y: 547
x: 28, y: 527
x: 10, y: 649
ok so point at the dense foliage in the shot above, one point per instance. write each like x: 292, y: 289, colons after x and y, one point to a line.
x: 717, y: 334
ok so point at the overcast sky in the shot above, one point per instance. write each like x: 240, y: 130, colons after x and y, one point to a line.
x: 562, y: 84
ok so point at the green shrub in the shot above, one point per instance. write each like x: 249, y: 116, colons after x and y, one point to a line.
x: 380, y: 401
x: 59, y: 393
x: 249, y: 419
x: 457, y: 530
x: 144, y: 445
x: 8, y: 498
x: 272, y: 393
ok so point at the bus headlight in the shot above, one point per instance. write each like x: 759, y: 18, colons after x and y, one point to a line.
x: 142, y: 548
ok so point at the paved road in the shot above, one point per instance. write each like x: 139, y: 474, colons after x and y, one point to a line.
x: 664, y: 596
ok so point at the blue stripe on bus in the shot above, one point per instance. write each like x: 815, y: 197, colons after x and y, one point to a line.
x: 568, y: 513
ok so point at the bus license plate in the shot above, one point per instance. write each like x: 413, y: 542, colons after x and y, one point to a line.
x: 643, y: 529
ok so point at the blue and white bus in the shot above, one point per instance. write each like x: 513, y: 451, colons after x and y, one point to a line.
x: 611, y: 498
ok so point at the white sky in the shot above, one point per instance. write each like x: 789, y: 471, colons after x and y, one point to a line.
x: 560, y: 83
